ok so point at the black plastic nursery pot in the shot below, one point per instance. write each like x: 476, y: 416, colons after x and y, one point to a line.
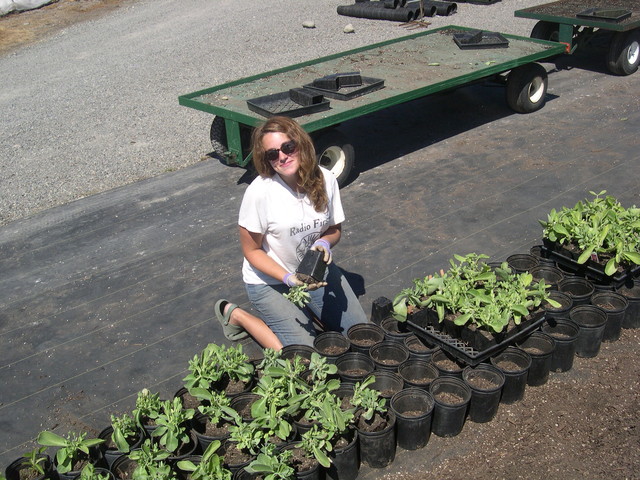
x: 18, y: 469
x: 485, y: 382
x: 540, y: 347
x: 522, y: 262
x: 591, y: 321
x: 632, y: 314
x: 452, y: 397
x: 418, y: 374
x: 199, y: 424
x: 386, y: 383
x: 108, y: 449
x: 419, y: 349
x: 394, y: 330
x: 312, y: 267
x: 388, y: 355
x: 580, y: 289
x: 353, y: 367
x: 345, y: 461
x: 514, y: 363
x: 363, y: 336
x: 564, y: 333
x: 542, y: 255
x: 446, y: 364
x: 242, y: 404
x: 561, y: 312
x: 289, y: 352
x: 122, y: 467
x: 551, y: 275
x: 615, y: 305
x: 413, y: 408
x: 378, y: 448
x: 331, y: 345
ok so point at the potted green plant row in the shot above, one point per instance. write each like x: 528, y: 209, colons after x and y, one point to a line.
x: 597, y: 238
x: 473, y: 302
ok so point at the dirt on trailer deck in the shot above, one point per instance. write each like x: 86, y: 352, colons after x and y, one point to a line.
x: 571, y: 8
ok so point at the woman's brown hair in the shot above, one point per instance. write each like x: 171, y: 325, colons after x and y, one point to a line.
x: 310, y: 178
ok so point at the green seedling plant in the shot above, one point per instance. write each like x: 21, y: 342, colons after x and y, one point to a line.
x: 148, y: 406
x: 248, y: 436
x: 273, y: 465
x: 298, y: 295
x: 151, y: 462
x: 203, y: 370
x: 471, y: 292
x: 35, y: 460
x: 270, y: 358
x: 210, y: 467
x: 172, y: 424
x: 272, y: 411
x: 125, y: 429
x: 89, y: 472
x: 600, y: 228
x: 234, y: 362
x: 216, y: 406
x: 367, y: 399
x: 71, y: 448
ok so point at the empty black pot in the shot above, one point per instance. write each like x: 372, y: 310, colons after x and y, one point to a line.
x: 615, y: 305
x: 485, y: 382
x: 514, y: 363
x: 540, y: 347
x: 413, y: 408
x: 564, y: 333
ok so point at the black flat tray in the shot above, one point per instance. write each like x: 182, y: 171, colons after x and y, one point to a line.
x: 480, y: 39
x: 590, y: 270
x: 461, y: 350
x: 281, y: 104
x: 369, y: 85
x: 605, y: 14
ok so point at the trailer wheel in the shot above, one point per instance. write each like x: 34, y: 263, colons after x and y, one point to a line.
x: 527, y: 88
x: 335, y: 153
x: 218, y: 136
x: 219, y: 143
x: 545, y: 31
x: 624, y: 53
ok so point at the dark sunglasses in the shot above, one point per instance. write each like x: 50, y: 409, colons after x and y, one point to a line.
x: 288, y: 148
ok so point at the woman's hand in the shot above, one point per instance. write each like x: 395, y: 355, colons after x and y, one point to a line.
x: 323, y: 246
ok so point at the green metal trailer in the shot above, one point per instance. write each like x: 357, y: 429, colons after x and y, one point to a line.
x: 578, y: 22
x: 391, y: 73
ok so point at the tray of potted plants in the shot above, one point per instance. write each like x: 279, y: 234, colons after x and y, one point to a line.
x: 598, y: 239
x: 473, y: 310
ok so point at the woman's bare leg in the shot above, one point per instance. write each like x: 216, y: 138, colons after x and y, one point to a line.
x: 259, y: 330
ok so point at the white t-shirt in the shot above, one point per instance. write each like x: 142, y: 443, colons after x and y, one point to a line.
x: 287, y: 220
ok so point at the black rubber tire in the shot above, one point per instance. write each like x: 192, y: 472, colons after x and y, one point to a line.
x: 218, y: 136
x: 527, y: 88
x: 335, y: 153
x: 545, y: 31
x: 623, y: 56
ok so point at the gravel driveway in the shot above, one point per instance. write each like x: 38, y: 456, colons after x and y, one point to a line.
x: 96, y: 106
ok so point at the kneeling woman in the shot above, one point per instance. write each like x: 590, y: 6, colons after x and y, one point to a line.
x: 291, y: 207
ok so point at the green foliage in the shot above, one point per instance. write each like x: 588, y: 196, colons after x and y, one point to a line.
x: 89, y: 473
x: 70, y: 448
x: 172, y: 424
x: 273, y: 466
x: 217, y: 405
x: 368, y: 399
x: 34, y: 460
x: 298, y: 295
x: 600, y: 227
x: 210, y: 466
x: 150, y: 462
x: 470, y: 291
x: 148, y: 405
x: 125, y: 429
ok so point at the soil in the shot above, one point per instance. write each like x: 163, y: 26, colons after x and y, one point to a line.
x: 18, y: 29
